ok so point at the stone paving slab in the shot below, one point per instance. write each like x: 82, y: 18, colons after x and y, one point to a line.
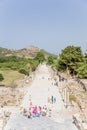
x: 20, y: 122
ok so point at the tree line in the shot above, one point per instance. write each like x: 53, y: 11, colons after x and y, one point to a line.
x: 71, y: 60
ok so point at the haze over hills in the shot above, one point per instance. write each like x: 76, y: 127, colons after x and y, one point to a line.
x: 28, y: 52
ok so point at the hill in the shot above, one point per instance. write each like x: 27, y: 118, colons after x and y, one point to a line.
x: 28, y: 52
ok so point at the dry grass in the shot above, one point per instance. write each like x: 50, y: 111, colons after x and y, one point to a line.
x: 72, y: 98
x: 10, y: 76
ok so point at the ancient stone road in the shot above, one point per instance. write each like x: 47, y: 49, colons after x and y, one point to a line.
x: 39, y: 91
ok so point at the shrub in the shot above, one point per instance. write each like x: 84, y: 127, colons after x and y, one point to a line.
x: 24, y: 71
x: 1, y: 77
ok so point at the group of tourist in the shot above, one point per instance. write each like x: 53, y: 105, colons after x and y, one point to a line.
x: 36, y: 111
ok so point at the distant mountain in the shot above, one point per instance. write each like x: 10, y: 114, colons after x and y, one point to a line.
x: 28, y: 52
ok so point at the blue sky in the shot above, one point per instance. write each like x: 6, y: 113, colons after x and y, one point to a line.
x: 48, y: 24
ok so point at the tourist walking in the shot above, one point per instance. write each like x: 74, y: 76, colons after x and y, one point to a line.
x: 52, y: 99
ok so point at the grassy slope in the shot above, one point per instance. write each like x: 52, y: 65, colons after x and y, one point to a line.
x: 10, y: 76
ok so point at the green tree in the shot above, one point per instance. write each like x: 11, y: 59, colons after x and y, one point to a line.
x: 40, y: 57
x: 82, y: 71
x: 69, y: 58
x: 33, y: 65
x: 82, y: 68
x: 1, y: 77
x: 50, y: 60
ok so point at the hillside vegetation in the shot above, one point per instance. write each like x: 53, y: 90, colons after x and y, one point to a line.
x: 15, y: 64
x: 71, y: 61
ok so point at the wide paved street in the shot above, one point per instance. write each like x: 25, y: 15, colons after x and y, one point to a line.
x: 41, y: 88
